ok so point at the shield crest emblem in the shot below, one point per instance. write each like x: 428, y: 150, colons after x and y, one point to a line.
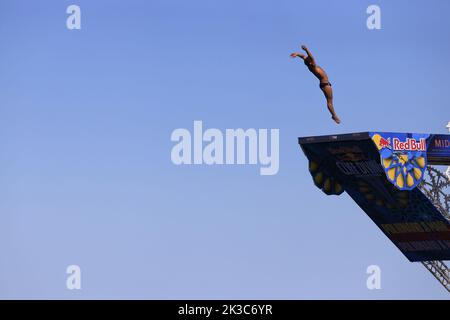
x: 403, y: 157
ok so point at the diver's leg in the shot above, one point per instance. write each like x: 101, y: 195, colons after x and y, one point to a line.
x: 328, y: 92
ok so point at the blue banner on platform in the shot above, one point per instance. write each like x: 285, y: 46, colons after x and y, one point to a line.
x: 439, y: 149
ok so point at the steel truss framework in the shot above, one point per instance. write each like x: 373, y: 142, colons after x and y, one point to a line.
x: 436, y: 187
x: 440, y: 271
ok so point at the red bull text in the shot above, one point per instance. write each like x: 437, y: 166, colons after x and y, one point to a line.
x: 410, y: 144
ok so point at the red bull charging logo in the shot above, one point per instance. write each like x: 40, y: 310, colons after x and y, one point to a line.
x: 384, y: 143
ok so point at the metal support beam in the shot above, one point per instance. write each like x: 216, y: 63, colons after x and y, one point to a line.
x: 440, y: 271
x: 436, y: 189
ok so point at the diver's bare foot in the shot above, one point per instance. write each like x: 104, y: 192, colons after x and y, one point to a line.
x: 336, y: 119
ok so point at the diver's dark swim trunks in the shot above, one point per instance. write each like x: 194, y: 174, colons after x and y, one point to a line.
x: 324, y: 84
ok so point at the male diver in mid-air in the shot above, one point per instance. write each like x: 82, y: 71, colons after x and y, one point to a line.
x: 324, y: 85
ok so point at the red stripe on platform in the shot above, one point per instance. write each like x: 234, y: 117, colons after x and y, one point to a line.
x: 420, y: 236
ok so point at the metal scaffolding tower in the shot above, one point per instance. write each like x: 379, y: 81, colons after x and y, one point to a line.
x: 440, y: 271
x: 436, y: 188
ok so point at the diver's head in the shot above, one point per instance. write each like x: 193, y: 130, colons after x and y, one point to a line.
x: 308, y: 62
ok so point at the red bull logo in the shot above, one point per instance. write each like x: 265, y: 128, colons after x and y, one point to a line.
x: 403, y: 157
x: 410, y: 144
x: 385, y: 143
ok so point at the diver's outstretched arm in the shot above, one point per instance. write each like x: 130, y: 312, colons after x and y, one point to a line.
x: 300, y: 55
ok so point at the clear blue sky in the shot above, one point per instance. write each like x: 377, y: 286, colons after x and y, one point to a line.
x: 85, y: 123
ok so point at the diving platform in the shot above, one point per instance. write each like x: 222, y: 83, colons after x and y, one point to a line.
x: 388, y: 175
